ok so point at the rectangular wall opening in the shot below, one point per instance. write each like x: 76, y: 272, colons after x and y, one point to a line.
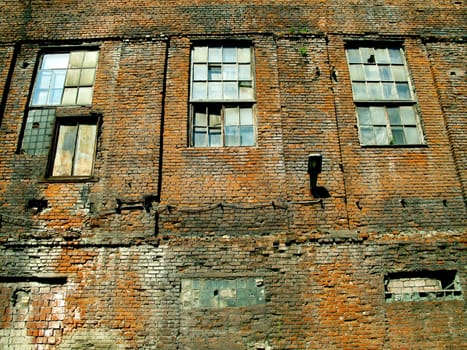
x: 422, y: 285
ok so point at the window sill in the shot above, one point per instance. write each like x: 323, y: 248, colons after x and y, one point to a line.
x: 420, y: 145
x: 69, y: 179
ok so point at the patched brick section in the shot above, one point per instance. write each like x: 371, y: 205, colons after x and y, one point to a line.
x: 317, y: 290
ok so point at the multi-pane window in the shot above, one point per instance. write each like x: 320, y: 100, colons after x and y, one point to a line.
x: 63, y: 79
x: 384, y: 98
x: 222, y: 96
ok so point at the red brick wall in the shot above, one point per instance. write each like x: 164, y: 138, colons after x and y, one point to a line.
x: 104, y: 263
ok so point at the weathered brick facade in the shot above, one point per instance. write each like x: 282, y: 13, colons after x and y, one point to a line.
x: 169, y: 246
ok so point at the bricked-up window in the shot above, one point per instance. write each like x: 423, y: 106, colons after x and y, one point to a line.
x: 63, y: 79
x: 222, y: 96
x: 422, y: 286
x: 74, y: 147
x: 384, y: 97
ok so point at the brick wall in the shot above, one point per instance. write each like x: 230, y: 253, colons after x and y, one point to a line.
x: 175, y: 247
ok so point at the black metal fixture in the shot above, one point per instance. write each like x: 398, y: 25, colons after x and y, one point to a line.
x: 315, y: 161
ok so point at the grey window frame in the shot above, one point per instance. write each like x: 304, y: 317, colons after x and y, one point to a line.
x: 391, y: 116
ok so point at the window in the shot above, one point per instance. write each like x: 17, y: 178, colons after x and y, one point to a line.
x: 63, y: 79
x: 75, y: 144
x: 222, y: 97
x: 422, y: 286
x: 383, y: 95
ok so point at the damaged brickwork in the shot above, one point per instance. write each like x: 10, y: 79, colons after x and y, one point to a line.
x: 151, y: 242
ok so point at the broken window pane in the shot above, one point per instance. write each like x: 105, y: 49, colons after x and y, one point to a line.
x: 38, y: 132
x: 214, y: 72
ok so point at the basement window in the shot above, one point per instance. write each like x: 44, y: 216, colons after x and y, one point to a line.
x: 422, y: 286
x: 384, y: 97
x: 222, y: 96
